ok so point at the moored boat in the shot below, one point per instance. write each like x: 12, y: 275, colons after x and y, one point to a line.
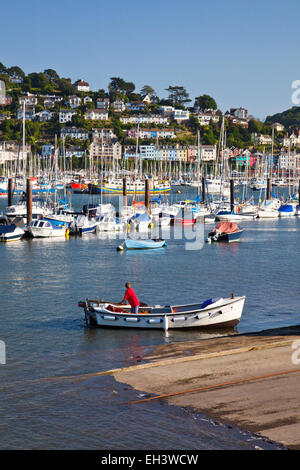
x: 139, y: 244
x: 11, y: 231
x: 225, y: 232
x: 45, y: 229
x: 213, y: 313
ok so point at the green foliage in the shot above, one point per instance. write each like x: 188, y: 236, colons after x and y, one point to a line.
x: 205, y: 102
x: 178, y: 95
x: 289, y: 118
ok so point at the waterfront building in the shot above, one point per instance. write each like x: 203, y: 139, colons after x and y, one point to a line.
x: 106, y: 149
x: 11, y: 151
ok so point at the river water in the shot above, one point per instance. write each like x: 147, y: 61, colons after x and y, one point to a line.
x: 44, y: 402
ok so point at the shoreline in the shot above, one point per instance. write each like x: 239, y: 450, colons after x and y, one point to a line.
x: 246, y: 380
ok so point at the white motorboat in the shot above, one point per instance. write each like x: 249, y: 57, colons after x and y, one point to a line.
x: 83, y: 224
x: 141, y: 222
x: 11, y: 230
x: 40, y: 208
x: 213, y: 313
x: 109, y: 224
x: 288, y: 209
x: 44, y: 229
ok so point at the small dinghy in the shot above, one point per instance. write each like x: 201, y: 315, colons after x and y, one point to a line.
x: 137, y: 244
x: 225, y: 232
x: 213, y: 313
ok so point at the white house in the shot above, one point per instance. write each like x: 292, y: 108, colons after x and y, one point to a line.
x: 104, y: 133
x: 29, y: 113
x: 260, y: 139
x: 118, y: 106
x: 181, y: 115
x: 205, y: 118
x: 74, y: 101
x: 73, y: 151
x: 45, y: 115
x: 65, y: 115
x: 81, y: 85
x: 167, y: 110
x: 208, y: 153
x: 87, y: 99
x: 29, y: 100
x: 74, y: 133
x: 11, y: 150
x: 278, y: 127
x: 145, y: 119
x: 96, y: 114
x: 241, y: 113
x: 149, y: 152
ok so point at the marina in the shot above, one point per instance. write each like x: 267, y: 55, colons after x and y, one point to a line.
x: 43, y: 312
x: 149, y: 232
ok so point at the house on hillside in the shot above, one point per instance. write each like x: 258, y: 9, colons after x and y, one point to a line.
x: 96, y: 114
x: 65, y: 115
x: 81, y: 85
x: 74, y: 101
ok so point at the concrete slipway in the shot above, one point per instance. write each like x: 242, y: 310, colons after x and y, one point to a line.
x: 251, y: 380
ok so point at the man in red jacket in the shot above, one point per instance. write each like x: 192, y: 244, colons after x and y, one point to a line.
x: 131, y: 297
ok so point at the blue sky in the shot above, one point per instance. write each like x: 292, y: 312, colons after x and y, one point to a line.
x: 243, y: 53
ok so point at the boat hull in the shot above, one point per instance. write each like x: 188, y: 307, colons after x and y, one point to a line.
x: 144, y: 244
x: 224, y: 314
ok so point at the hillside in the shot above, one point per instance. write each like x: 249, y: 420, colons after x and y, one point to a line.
x: 289, y: 118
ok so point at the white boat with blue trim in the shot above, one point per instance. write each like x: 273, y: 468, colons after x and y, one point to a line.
x: 213, y: 313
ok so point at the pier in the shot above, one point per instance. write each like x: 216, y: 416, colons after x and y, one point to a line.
x: 250, y: 380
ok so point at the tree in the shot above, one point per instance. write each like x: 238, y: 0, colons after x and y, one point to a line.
x: 39, y: 80
x: 65, y: 86
x: 2, y: 68
x: 148, y: 90
x: 15, y: 71
x: 119, y: 86
x: 51, y: 75
x: 194, y: 124
x: 205, y: 102
x: 178, y: 95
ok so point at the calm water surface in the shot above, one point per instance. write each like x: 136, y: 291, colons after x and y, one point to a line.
x: 41, y: 282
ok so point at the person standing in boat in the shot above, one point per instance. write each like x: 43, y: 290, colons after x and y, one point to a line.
x: 131, y: 297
